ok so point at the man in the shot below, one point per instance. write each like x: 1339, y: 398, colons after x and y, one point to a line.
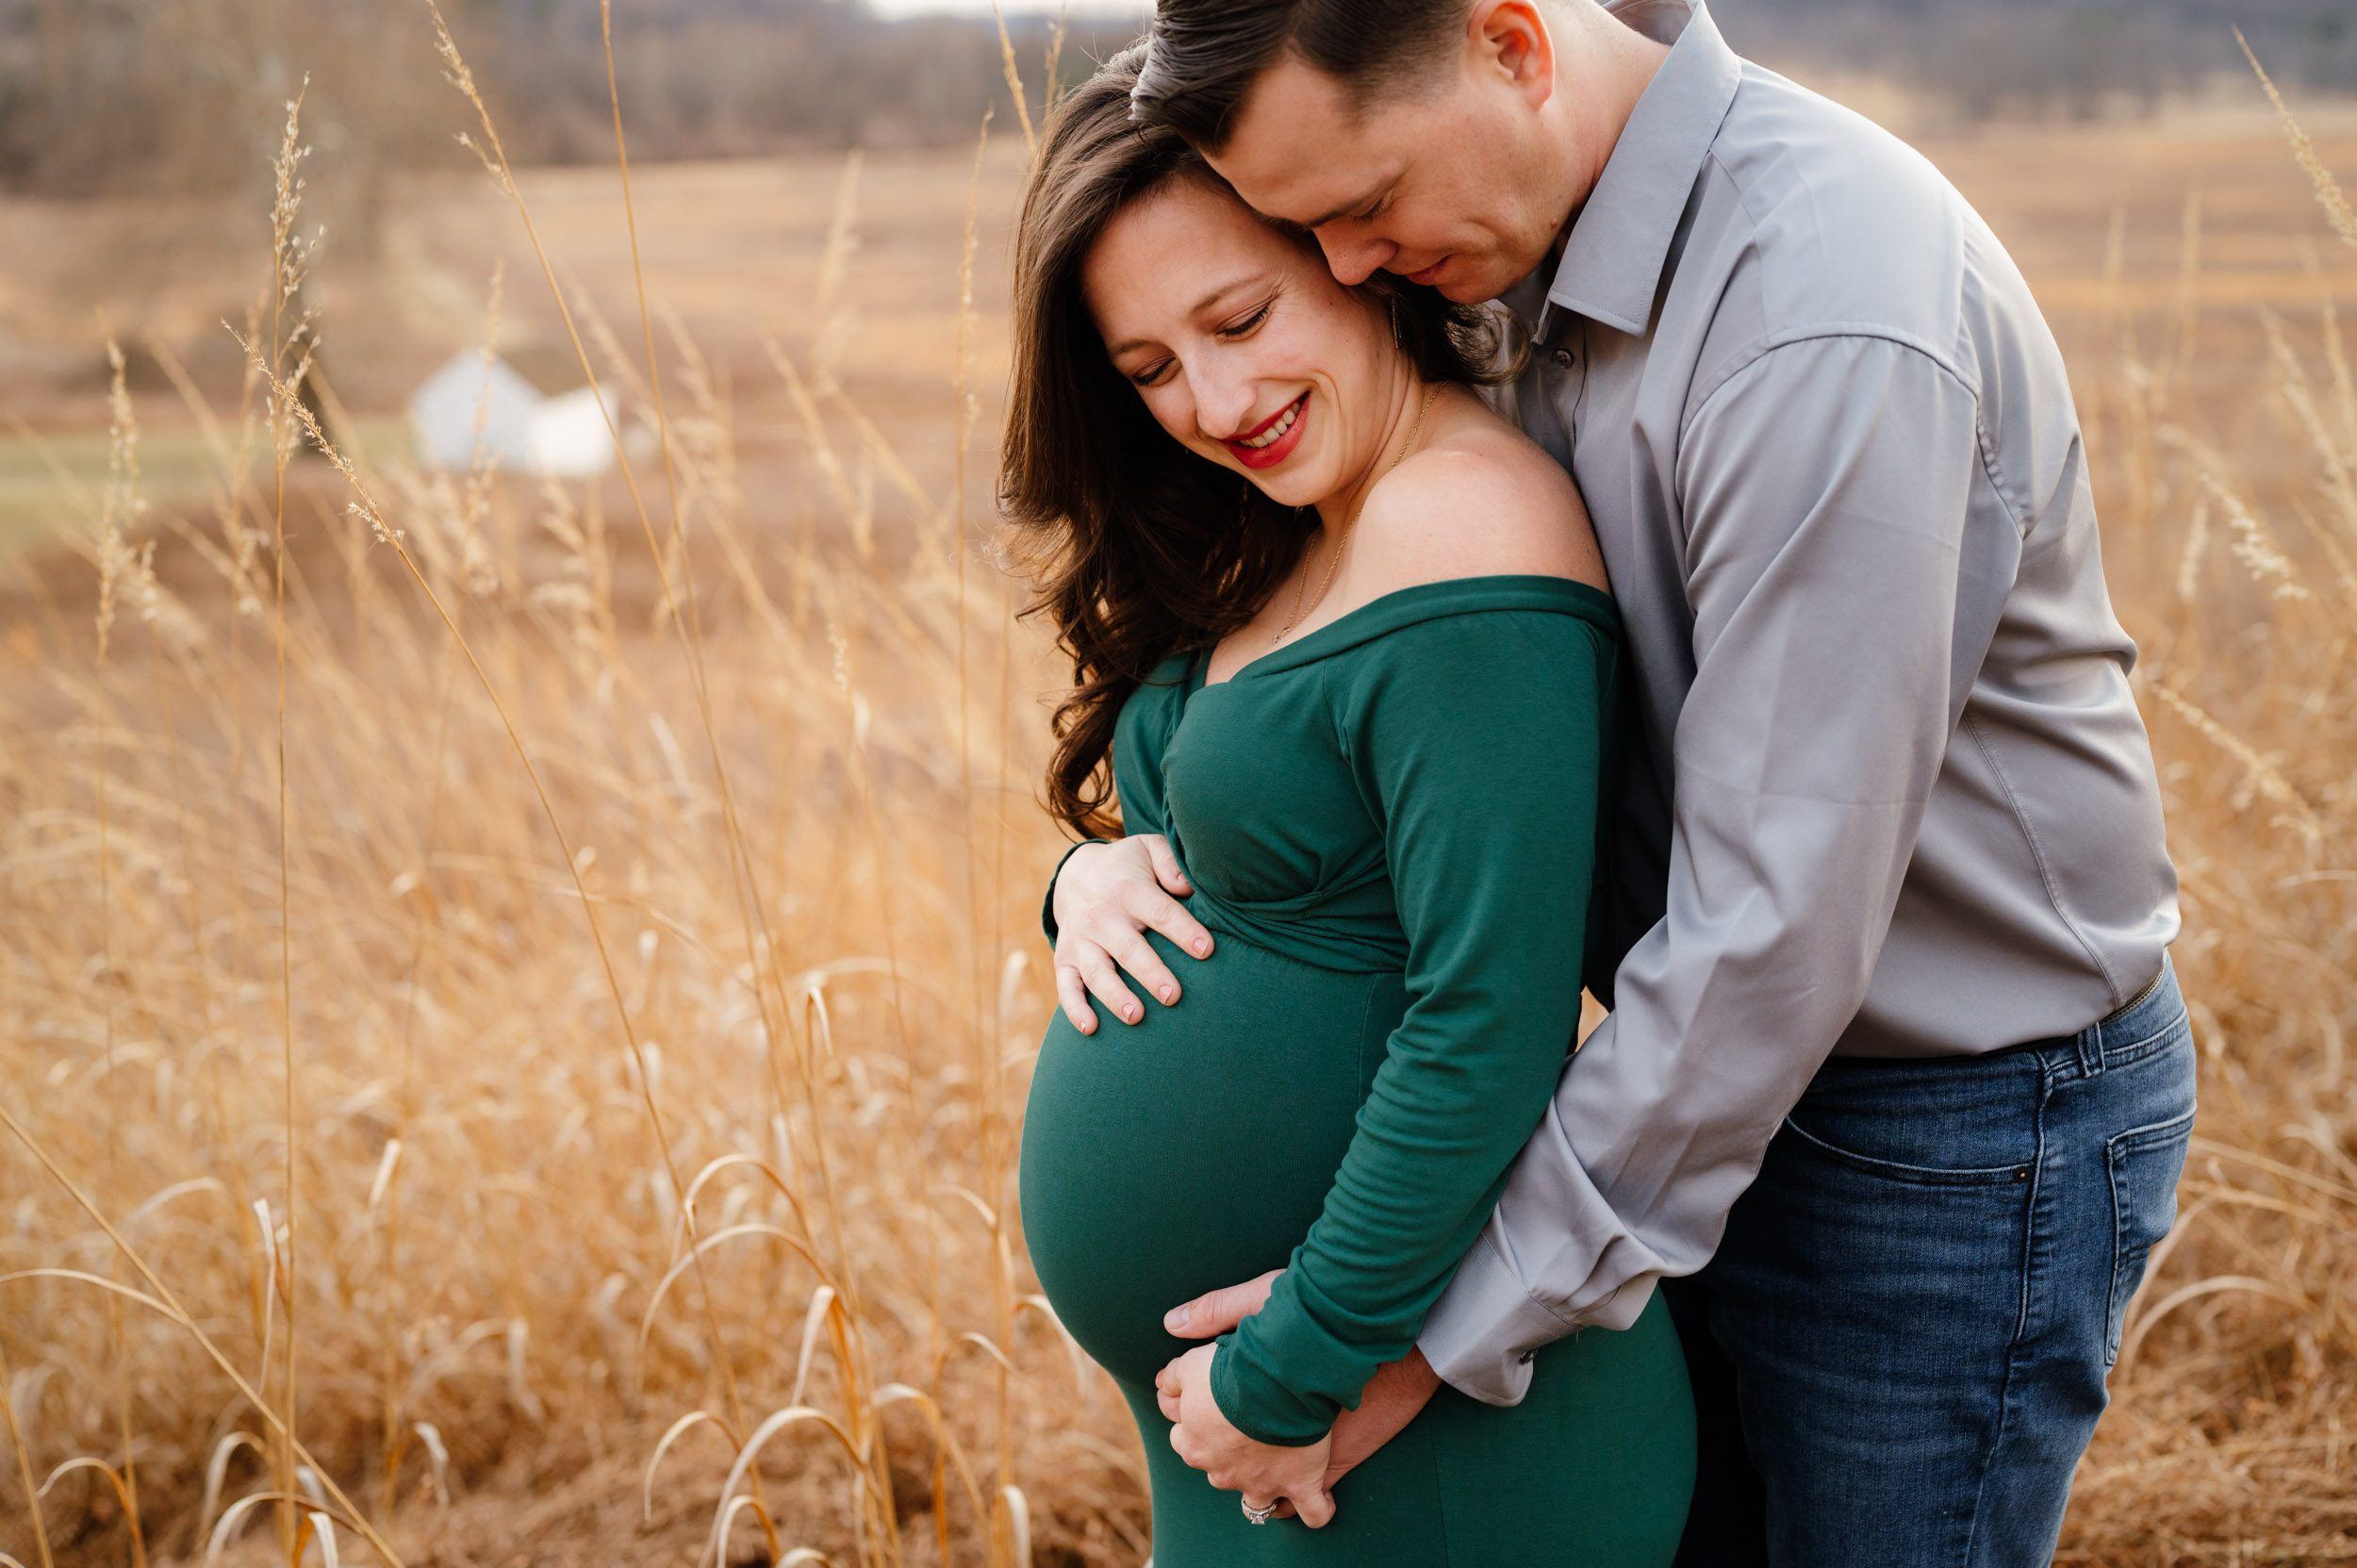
x: 1896, y: 1084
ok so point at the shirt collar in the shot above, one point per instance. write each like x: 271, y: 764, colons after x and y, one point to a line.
x: 1611, y: 265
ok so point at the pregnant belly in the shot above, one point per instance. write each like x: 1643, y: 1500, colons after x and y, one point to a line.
x: 1192, y: 1150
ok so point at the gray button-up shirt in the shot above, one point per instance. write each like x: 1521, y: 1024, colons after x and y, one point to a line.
x: 1892, y: 796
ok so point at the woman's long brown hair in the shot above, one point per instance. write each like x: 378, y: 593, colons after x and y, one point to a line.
x: 1138, y: 547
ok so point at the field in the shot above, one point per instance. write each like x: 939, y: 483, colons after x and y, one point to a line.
x: 521, y: 995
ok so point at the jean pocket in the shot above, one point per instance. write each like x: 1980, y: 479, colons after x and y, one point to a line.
x: 2144, y: 1164
x: 1897, y: 1170
x: 1950, y: 1123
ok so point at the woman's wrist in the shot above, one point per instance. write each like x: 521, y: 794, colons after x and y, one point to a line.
x: 1231, y: 1380
x: 1047, y: 903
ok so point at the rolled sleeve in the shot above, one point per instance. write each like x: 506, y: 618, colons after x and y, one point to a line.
x: 1846, y: 560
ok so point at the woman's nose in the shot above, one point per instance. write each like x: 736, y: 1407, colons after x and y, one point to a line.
x: 1222, y: 404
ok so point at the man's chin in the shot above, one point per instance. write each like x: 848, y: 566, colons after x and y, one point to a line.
x: 1461, y: 280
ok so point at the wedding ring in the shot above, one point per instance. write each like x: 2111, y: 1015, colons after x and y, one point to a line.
x: 1257, y: 1515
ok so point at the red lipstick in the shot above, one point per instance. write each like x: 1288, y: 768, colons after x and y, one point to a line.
x: 1279, y: 449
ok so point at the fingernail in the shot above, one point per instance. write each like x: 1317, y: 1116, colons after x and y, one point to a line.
x: 1133, y: 1014
x: 1170, y: 993
x: 1175, y: 1319
x: 1203, y: 948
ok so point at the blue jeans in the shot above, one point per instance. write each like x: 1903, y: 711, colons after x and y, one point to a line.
x: 1899, y: 1351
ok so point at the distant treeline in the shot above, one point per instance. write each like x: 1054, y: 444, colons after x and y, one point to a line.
x: 180, y: 96
x: 108, y: 95
x: 1989, y: 56
x: 723, y: 78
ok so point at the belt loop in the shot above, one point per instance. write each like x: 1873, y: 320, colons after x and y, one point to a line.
x: 2091, y: 1049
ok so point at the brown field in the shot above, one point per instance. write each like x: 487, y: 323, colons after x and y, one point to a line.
x: 368, y: 1028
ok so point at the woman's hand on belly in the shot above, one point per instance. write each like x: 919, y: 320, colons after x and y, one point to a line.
x: 1107, y: 898
x: 1263, y: 1473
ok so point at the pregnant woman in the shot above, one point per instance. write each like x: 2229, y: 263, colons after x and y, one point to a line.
x: 1342, y: 637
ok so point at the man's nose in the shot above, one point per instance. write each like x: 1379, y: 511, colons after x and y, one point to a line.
x: 1353, y: 261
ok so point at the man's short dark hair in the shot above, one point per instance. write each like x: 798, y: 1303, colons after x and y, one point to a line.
x: 1203, y: 56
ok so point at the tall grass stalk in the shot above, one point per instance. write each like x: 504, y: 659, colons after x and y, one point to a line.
x: 120, y: 507
x: 289, y: 256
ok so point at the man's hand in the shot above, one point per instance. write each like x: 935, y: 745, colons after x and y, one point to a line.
x: 1264, y: 1473
x: 1107, y: 896
x: 1396, y: 1394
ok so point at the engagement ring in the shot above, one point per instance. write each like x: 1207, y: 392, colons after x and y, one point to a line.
x: 1257, y: 1515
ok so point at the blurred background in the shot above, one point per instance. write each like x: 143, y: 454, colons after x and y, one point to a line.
x: 136, y: 139
x: 519, y: 951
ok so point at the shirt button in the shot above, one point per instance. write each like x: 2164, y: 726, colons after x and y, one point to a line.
x: 1564, y: 357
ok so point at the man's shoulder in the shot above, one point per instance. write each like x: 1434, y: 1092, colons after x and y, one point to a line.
x: 1784, y: 146
x: 1832, y: 224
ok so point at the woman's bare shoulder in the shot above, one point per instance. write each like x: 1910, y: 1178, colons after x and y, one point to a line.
x: 1478, y: 497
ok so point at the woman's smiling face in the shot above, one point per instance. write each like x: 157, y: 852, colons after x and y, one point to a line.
x: 1245, y: 348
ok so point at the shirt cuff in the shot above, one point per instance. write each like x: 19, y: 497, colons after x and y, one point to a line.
x: 1048, y: 902
x: 1484, y: 1332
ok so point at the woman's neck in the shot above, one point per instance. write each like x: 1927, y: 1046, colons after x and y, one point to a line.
x: 1337, y: 511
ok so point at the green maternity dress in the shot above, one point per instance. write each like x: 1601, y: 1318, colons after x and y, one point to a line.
x: 1390, y: 823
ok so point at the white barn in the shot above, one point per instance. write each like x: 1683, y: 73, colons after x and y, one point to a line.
x: 565, y: 437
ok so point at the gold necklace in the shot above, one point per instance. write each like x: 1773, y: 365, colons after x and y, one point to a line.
x: 1351, y: 522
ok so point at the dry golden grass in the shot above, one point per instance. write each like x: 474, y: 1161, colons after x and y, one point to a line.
x: 519, y: 998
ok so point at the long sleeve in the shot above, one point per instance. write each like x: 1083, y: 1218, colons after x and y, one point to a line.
x: 1475, y: 742
x: 1842, y: 606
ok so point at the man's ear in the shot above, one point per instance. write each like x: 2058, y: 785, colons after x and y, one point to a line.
x: 1510, y: 43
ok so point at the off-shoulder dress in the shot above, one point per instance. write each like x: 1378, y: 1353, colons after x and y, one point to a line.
x: 1391, y: 825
